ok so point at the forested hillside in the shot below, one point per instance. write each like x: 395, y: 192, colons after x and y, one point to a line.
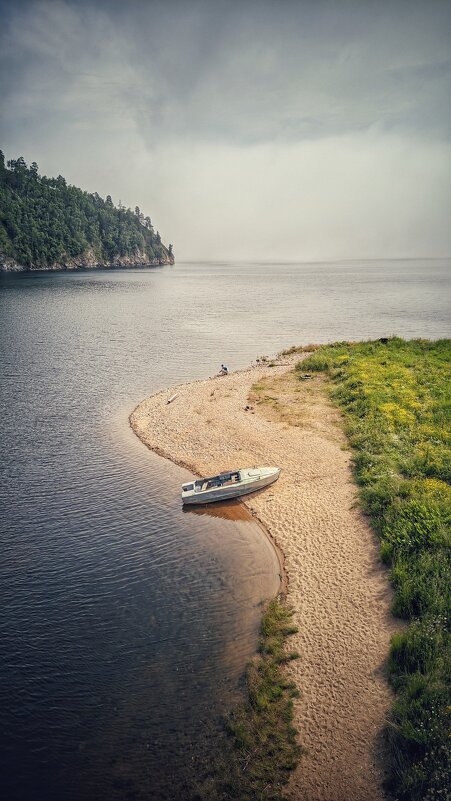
x: 46, y: 224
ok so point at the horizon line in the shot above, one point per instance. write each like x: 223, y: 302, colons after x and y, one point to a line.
x: 225, y: 260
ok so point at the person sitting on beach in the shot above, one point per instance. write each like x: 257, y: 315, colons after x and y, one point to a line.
x: 224, y: 370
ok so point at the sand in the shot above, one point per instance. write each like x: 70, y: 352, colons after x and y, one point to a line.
x: 336, y: 583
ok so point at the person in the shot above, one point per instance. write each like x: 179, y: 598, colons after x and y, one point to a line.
x: 224, y: 370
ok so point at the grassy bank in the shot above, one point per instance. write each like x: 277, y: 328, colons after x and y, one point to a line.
x: 395, y: 395
x: 261, y: 749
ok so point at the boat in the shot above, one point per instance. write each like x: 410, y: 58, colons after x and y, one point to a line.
x: 232, y: 484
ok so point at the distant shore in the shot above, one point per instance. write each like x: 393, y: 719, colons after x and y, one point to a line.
x: 336, y: 584
x: 9, y: 265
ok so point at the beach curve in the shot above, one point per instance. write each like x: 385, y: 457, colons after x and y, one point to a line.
x: 336, y: 583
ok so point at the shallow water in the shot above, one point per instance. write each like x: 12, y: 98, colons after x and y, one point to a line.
x: 125, y: 623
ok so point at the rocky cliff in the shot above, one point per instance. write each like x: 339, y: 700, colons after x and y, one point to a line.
x: 88, y: 260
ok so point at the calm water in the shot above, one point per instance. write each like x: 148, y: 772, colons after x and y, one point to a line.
x: 125, y: 623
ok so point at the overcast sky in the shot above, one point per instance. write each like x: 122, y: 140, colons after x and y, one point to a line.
x: 246, y: 130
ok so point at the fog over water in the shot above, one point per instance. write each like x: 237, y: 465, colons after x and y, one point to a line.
x: 289, y: 130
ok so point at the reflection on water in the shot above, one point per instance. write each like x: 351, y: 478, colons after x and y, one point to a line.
x: 125, y: 622
x: 226, y: 510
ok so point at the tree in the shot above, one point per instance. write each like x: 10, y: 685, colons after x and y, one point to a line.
x: 43, y: 221
x: 170, y: 250
x: 139, y: 215
x: 20, y: 165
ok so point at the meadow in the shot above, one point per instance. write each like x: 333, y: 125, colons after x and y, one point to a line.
x: 395, y: 397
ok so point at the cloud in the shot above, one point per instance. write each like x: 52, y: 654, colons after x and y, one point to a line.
x: 291, y: 130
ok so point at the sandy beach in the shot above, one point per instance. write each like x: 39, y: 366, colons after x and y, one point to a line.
x: 336, y: 584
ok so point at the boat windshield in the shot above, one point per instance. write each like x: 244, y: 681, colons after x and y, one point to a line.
x: 227, y: 477
x: 221, y: 480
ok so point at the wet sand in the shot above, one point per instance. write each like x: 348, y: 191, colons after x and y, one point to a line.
x: 338, y: 588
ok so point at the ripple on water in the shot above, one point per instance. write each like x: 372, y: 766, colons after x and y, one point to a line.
x: 125, y: 622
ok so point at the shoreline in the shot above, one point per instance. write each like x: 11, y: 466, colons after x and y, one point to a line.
x: 253, y: 517
x: 340, y: 592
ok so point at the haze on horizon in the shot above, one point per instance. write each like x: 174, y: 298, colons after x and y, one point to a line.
x: 247, y: 130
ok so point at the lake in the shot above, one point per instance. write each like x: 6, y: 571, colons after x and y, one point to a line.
x: 125, y: 622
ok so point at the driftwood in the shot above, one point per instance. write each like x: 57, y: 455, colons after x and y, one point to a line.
x: 173, y: 397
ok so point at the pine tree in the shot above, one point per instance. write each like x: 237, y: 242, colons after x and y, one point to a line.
x: 43, y: 221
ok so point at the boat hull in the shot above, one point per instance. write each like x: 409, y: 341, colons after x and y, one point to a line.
x: 232, y: 491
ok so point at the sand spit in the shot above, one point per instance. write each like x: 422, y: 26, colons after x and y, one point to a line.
x: 336, y: 584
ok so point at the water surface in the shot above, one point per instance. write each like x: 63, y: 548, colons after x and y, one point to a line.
x: 125, y: 623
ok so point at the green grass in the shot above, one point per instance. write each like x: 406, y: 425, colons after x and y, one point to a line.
x: 261, y: 749
x: 396, y: 398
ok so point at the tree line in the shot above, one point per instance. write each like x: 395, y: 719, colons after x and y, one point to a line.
x: 45, y: 222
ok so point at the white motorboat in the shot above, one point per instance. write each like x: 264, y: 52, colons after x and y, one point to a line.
x: 231, y: 484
